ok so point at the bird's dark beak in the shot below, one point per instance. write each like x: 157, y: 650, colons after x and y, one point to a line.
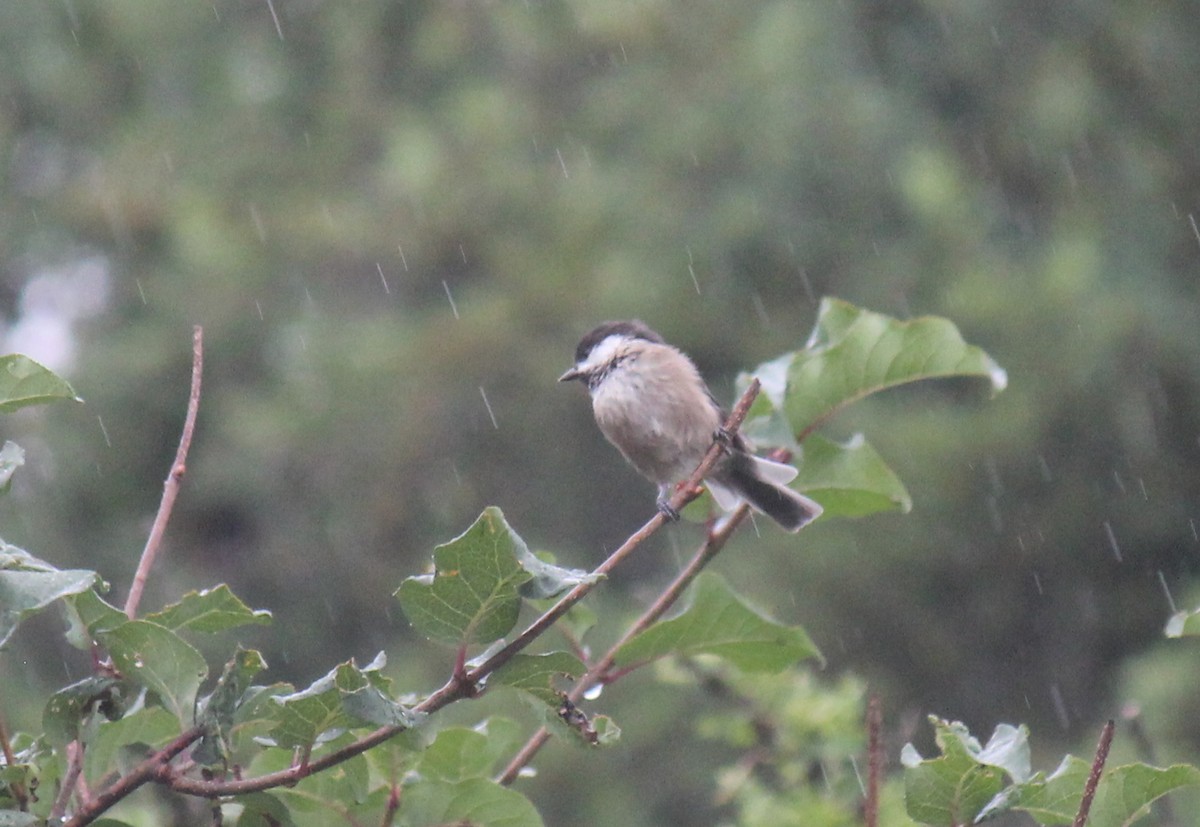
x: 573, y: 373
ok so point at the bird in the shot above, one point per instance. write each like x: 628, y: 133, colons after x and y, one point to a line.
x: 652, y: 404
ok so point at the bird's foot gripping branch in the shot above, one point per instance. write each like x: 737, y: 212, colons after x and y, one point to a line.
x: 349, y: 749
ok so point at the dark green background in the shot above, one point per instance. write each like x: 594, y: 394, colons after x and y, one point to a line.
x: 315, y: 192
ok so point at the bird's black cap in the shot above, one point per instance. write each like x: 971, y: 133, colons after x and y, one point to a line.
x: 634, y: 329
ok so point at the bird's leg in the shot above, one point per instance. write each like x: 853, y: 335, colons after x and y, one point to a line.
x: 664, y: 504
x: 724, y: 438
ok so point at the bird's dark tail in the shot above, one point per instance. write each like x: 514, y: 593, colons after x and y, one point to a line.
x: 791, y: 509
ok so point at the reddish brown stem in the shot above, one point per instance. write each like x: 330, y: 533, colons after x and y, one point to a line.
x: 874, y: 761
x: 1089, y: 789
x: 171, y: 485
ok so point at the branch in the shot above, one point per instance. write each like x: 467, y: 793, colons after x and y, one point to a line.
x: 715, y: 541
x: 874, y: 761
x: 171, y: 485
x: 686, y: 493
x: 150, y: 769
x: 17, y: 788
x: 1089, y: 789
x: 463, y: 684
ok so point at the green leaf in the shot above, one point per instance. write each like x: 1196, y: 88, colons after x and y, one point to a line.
x: 263, y: 808
x: 159, y: 660
x: 28, y: 585
x: 68, y: 707
x: 88, y: 614
x: 210, y: 610
x: 24, y: 382
x: 854, y: 352
x: 717, y: 622
x: 475, y: 801
x: 216, y: 710
x: 1183, y: 624
x: 324, y: 797
x: 458, y: 753
x: 473, y: 596
x: 321, y: 711
x: 850, y: 479
x: 16, y: 819
x: 537, y: 674
x: 958, y: 785
x: 1123, y: 796
x: 152, y: 726
x: 12, y: 457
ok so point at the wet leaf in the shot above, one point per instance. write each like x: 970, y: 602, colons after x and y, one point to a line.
x: 158, y: 659
x: 458, y: 753
x: 849, y: 478
x: 24, y: 382
x: 473, y: 595
x: 215, y: 712
x: 853, y: 353
x: 717, y: 622
x: 475, y: 801
x: 29, y: 585
x: 537, y: 674
x: 210, y: 610
x: 347, y: 696
x: 955, y: 787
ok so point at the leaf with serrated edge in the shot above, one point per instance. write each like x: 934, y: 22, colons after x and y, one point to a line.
x: 1123, y: 796
x: 24, y: 382
x: 717, y: 622
x: 966, y: 779
x: 854, y: 352
x: 215, y: 712
x: 473, y: 596
x: 320, y: 710
x: 210, y: 610
x: 159, y: 660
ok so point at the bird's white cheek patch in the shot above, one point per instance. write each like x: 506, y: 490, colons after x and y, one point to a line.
x: 602, y: 353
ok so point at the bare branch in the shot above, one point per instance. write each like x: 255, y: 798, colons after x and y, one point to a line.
x: 1089, y: 789
x: 874, y: 761
x: 171, y: 485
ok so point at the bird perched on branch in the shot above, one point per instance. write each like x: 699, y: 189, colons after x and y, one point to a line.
x: 651, y: 403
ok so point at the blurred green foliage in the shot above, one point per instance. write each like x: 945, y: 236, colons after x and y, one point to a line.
x: 395, y: 219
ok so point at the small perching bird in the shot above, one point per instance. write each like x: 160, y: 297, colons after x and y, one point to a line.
x: 651, y: 403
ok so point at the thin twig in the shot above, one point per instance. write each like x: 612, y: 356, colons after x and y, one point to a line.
x: 1089, y: 789
x: 17, y: 788
x: 171, y: 485
x: 464, y: 685
x: 874, y: 761
x: 601, y: 670
x: 74, y: 767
